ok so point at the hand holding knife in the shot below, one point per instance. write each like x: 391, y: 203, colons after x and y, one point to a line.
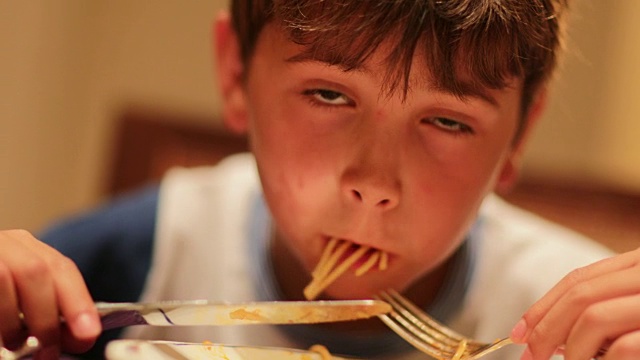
x: 206, y: 313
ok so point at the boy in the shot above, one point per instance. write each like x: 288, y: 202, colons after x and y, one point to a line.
x: 383, y: 123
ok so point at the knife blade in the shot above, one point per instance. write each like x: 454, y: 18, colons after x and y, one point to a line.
x: 172, y: 350
x: 202, y: 312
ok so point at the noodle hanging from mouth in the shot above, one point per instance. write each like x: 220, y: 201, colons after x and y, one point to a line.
x: 371, y: 261
x: 329, y: 268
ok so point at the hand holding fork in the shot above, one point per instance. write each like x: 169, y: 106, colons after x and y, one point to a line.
x: 433, y: 338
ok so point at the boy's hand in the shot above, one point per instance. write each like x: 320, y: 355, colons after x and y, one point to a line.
x: 592, y: 307
x: 42, y: 284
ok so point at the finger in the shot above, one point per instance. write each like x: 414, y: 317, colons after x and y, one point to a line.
x: 34, y: 288
x: 554, y: 328
x: 48, y: 353
x: 601, y: 322
x: 626, y: 347
x: 604, y: 266
x: 76, y: 306
x: 70, y: 344
x: 13, y: 253
x: 537, y: 311
x: 72, y: 296
x: 37, y: 299
x: 11, y: 326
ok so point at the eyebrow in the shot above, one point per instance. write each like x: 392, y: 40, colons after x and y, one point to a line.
x: 468, y: 90
x: 307, y: 58
x: 464, y: 91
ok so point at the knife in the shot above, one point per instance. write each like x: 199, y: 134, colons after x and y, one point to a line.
x: 171, y: 350
x: 202, y: 312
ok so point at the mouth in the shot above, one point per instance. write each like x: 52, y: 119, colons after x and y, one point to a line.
x: 363, y: 257
x: 340, y: 255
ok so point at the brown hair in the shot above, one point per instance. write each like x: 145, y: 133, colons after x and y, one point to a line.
x: 470, y: 44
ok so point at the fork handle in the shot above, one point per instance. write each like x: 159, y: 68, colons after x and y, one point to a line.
x: 29, y: 347
x: 506, y: 341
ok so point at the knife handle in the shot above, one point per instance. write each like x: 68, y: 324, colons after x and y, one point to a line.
x: 121, y: 318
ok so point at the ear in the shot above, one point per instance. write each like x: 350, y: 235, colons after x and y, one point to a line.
x: 230, y: 70
x: 511, y: 167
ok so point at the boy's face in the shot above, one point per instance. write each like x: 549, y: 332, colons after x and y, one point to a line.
x: 340, y: 159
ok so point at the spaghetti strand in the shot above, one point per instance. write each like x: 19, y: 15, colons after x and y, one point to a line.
x: 332, y: 265
x: 325, y: 256
x: 371, y: 262
x: 340, y: 269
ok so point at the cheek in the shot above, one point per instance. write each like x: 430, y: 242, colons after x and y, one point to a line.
x: 296, y: 155
x: 445, y: 197
x: 473, y: 172
x: 296, y: 177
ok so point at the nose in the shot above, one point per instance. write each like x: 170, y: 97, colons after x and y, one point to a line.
x: 370, y: 177
x: 370, y: 188
x: 373, y: 199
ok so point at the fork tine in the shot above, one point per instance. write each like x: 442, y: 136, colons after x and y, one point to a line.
x: 408, y: 319
x: 428, y: 324
x: 411, y: 310
x: 418, y: 342
x: 405, y: 320
x: 422, y: 331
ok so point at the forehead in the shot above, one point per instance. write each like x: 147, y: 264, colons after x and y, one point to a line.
x: 464, y: 48
x: 275, y: 41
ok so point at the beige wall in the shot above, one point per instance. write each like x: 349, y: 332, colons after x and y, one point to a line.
x: 68, y: 66
x: 590, y: 132
x: 42, y: 70
x: 155, y: 53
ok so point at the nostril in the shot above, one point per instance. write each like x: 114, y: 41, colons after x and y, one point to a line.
x: 384, y: 202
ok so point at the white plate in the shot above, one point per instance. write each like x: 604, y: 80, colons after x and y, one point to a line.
x: 169, y: 350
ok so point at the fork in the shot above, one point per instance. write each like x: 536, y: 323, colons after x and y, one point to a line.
x: 430, y: 336
x: 29, y: 347
x: 433, y: 338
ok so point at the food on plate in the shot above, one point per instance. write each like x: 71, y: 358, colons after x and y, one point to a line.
x: 243, y: 314
x: 333, y: 263
x: 460, y: 351
x: 322, y: 350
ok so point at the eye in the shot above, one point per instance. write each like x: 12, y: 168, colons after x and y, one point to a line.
x: 449, y: 125
x: 328, y: 97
